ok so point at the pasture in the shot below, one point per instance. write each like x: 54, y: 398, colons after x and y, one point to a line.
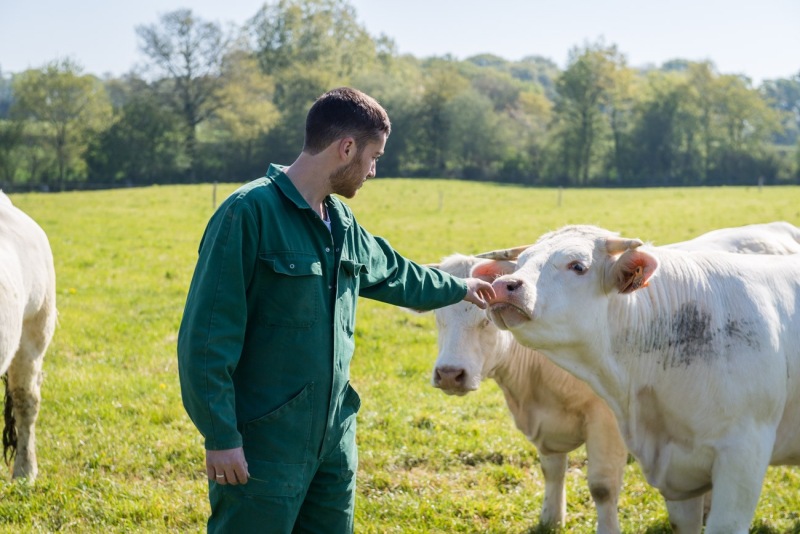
x: 117, y: 452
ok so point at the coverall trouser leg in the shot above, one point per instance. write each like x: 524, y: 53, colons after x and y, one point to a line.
x: 325, y: 506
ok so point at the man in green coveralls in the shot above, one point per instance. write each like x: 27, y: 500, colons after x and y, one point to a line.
x: 266, y: 339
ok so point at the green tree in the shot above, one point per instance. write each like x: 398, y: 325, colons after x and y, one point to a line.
x: 585, y: 89
x: 139, y: 148
x: 478, y: 134
x: 783, y: 95
x: 69, y: 106
x: 746, y: 123
x: 397, y: 82
x: 701, y: 82
x: 540, y: 70
x: 619, y: 110
x: 660, y: 148
x: 246, y: 115
x: 532, y: 115
x: 188, y: 53
x: 11, y: 137
x: 6, y: 95
x: 307, y: 47
x: 442, y: 83
x: 313, y: 33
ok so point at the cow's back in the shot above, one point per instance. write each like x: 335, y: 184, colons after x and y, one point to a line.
x: 26, y: 261
x: 777, y: 237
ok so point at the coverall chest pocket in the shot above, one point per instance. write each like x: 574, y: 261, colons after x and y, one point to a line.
x: 290, y: 292
x: 348, y: 290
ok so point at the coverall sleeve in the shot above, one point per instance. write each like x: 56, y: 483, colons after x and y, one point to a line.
x: 389, y: 277
x: 212, y: 330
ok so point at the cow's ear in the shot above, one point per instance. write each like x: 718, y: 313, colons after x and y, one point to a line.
x: 491, y: 269
x: 631, y: 271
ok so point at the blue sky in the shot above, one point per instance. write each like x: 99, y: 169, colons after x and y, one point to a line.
x: 760, y: 39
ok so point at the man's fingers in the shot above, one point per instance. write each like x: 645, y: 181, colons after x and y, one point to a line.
x: 227, y: 466
x: 240, y: 475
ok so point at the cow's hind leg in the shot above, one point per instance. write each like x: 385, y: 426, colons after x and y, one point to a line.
x: 24, y: 390
x: 554, y: 507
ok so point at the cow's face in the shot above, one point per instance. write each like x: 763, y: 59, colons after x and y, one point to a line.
x: 468, y: 342
x: 468, y: 348
x: 559, y: 294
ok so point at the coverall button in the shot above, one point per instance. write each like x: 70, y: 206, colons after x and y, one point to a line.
x: 327, y: 249
x: 291, y: 265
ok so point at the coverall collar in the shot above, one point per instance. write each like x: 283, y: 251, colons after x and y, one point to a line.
x: 275, y: 172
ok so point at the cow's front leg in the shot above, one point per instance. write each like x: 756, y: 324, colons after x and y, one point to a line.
x: 737, y: 478
x: 686, y: 517
x: 607, y: 456
x: 554, y: 507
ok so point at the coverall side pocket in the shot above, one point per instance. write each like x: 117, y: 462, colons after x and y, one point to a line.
x: 268, y: 479
x: 282, y: 436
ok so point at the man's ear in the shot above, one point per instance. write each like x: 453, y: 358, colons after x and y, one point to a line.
x: 347, y: 148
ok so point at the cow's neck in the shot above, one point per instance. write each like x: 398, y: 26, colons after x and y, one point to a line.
x: 517, y: 370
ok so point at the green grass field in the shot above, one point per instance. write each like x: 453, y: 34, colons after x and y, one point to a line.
x: 117, y: 452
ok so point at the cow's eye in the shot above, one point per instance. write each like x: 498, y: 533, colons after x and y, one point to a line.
x: 577, y: 267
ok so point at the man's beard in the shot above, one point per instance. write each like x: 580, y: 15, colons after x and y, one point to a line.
x: 346, y: 180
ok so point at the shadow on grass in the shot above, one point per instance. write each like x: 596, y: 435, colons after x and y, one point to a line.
x: 660, y: 528
x: 766, y: 529
x: 665, y: 528
x: 542, y: 529
x: 758, y: 528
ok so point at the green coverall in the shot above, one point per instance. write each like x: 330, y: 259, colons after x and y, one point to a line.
x: 264, y: 351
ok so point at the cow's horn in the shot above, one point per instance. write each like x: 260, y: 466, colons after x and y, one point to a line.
x: 432, y: 265
x: 618, y: 245
x: 503, y: 254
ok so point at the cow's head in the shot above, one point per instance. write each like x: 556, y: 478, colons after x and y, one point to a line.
x: 469, y: 344
x: 558, y: 296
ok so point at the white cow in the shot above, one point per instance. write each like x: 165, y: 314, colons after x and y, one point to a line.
x: 27, y: 322
x: 554, y: 410
x: 778, y: 237
x: 696, y: 353
x: 557, y: 412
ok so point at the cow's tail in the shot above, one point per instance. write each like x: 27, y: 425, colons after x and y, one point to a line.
x: 10, y: 428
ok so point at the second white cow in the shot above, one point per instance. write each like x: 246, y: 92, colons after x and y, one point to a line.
x: 556, y: 412
x: 696, y: 353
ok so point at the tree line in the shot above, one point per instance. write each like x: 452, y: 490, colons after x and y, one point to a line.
x: 219, y: 104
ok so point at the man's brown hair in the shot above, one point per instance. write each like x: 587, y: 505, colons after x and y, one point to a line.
x: 344, y: 112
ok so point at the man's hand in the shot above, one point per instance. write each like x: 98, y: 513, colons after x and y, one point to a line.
x: 479, y: 292
x: 227, y: 466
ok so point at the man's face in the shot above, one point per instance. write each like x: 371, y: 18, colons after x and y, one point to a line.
x: 348, y: 179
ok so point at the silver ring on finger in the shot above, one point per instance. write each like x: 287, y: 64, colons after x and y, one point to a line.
x: 220, y: 476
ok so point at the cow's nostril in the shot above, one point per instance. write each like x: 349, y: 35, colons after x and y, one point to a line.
x: 449, y: 377
x: 513, y: 285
